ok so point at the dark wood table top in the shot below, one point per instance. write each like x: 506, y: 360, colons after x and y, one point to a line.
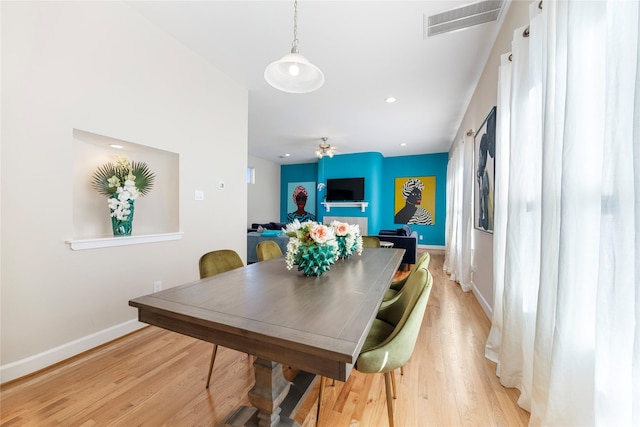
x: 317, y: 324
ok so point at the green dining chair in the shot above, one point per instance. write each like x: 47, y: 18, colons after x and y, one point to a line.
x: 370, y: 242
x: 396, y: 285
x: 213, y: 263
x: 219, y: 261
x: 392, y: 338
x: 268, y: 249
x: 394, y: 291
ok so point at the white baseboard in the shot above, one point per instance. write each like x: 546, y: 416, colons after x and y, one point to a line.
x: 434, y: 248
x: 34, y: 363
x: 483, y: 302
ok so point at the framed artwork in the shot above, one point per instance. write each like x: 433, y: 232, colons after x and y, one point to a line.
x: 301, y: 201
x: 415, y: 200
x: 484, y: 151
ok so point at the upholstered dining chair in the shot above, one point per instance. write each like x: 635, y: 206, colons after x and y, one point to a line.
x: 213, y: 263
x: 268, y: 249
x: 370, y: 242
x: 396, y: 285
x: 394, y: 291
x: 392, y: 338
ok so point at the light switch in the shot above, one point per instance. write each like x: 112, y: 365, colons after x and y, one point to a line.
x: 199, y: 195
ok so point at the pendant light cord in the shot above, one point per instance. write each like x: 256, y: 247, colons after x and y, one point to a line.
x: 294, y: 45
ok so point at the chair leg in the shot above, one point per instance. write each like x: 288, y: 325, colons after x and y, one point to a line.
x: 393, y: 384
x: 213, y: 359
x: 323, y: 381
x: 387, y: 385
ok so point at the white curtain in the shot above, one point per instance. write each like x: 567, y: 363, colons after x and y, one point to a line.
x: 457, y: 259
x: 501, y: 191
x: 566, y: 327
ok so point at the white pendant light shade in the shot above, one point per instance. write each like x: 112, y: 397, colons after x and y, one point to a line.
x: 293, y: 73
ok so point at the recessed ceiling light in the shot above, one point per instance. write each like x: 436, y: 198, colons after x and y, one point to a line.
x: 115, y: 146
x: 403, y: 144
x: 282, y: 156
x: 390, y: 100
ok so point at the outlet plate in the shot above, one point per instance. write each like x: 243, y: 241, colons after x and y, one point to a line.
x: 157, y: 286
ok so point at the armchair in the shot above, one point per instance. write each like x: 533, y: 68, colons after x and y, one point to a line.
x: 403, y: 238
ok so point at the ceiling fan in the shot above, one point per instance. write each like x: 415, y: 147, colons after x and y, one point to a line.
x: 325, y: 149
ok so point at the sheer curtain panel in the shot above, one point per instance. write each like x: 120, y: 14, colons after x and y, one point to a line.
x: 457, y: 262
x: 566, y: 326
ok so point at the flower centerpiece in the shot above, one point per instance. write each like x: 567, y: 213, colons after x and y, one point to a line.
x: 122, y: 182
x: 348, y: 238
x: 312, y: 247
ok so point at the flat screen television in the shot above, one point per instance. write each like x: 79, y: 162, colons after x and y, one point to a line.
x: 345, y: 190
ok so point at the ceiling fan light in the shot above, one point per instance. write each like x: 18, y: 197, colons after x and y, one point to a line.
x: 293, y: 73
x: 324, y: 149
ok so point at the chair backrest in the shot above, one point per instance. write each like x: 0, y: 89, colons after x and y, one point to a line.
x: 370, y: 242
x: 423, y: 262
x: 398, y: 347
x: 217, y: 262
x: 391, y: 311
x: 268, y: 249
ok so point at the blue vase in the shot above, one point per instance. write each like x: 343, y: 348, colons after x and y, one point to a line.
x: 315, y: 260
x: 343, y: 251
x: 123, y: 227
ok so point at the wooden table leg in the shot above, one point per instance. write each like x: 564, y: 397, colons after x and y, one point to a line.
x: 269, y: 391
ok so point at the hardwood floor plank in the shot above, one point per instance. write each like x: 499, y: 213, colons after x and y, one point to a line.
x: 155, y: 377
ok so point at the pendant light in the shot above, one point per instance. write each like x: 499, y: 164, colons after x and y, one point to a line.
x: 293, y: 73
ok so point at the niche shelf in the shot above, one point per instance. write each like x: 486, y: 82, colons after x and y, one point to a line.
x: 107, y: 242
x: 361, y: 205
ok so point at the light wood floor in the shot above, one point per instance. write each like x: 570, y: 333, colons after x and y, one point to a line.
x: 155, y: 378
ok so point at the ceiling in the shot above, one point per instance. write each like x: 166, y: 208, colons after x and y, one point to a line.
x: 367, y: 50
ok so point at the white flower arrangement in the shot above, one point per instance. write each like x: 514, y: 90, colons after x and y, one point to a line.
x: 120, y: 205
x: 312, y: 247
x: 123, y: 182
x: 348, y: 237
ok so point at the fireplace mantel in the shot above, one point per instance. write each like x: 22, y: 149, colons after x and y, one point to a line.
x: 361, y: 205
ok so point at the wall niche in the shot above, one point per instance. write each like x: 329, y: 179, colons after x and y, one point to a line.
x: 156, y: 214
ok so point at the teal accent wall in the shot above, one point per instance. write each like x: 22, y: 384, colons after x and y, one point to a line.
x: 367, y: 165
x: 415, y: 166
x: 379, y: 173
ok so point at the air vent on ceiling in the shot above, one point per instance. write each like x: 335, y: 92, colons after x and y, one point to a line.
x: 463, y: 17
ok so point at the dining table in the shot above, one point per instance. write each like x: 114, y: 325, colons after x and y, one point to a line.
x: 317, y: 324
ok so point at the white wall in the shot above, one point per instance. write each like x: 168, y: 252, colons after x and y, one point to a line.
x: 102, y: 68
x: 484, y: 98
x: 264, y: 195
